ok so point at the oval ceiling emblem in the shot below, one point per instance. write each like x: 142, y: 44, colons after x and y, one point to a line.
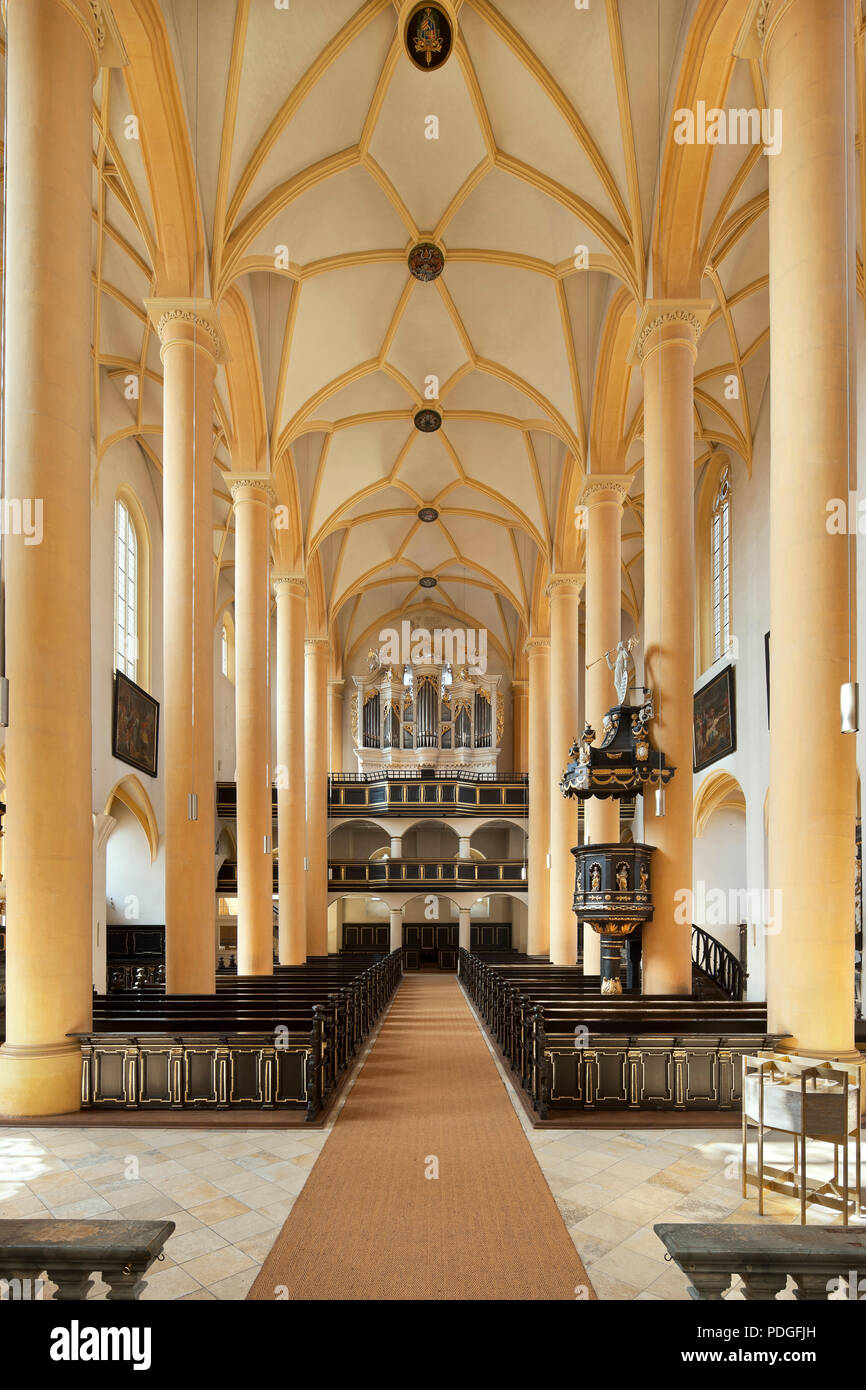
x: 427, y: 420
x: 429, y: 37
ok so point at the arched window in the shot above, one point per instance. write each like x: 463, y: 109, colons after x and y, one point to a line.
x: 126, y: 591
x: 131, y: 589
x: 227, y: 648
x: 720, y: 563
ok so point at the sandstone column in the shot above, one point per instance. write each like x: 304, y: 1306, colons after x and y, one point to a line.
x: 666, y: 346
x: 520, y: 726
x: 396, y: 847
x: 810, y: 961
x: 565, y: 681
x: 335, y: 725
x: 464, y: 918
x: 253, y: 496
x: 538, y: 656
x: 53, y: 58
x: 316, y: 651
x: 464, y: 847
x: 396, y: 926
x: 603, y: 497
x: 290, y: 591
x: 190, y: 350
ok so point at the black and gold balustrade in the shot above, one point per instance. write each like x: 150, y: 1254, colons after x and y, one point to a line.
x: 398, y: 874
x: 452, y: 794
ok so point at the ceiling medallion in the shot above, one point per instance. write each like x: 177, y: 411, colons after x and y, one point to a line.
x: 426, y: 262
x: 427, y: 420
x: 428, y: 581
x: 428, y: 514
x: 429, y: 36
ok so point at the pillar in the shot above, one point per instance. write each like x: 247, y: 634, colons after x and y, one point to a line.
x: 253, y: 496
x: 538, y: 932
x: 396, y: 928
x: 665, y: 345
x: 290, y: 590
x: 53, y: 58
x: 565, y: 682
x: 190, y: 350
x: 316, y: 651
x: 810, y: 960
x: 464, y: 917
x: 335, y: 725
x: 603, y: 498
x: 396, y: 847
x: 519, y: 726
x: 464, y: 847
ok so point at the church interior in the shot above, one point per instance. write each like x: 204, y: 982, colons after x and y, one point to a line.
x: 431, y: 554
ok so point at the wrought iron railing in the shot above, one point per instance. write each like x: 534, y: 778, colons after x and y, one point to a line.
x: 718, y: 963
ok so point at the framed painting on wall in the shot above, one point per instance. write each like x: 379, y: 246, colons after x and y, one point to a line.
x: 135, y: 725
x: 715, y: 726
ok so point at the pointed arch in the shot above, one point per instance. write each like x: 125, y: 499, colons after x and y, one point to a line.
x: 131, y: 794
x: 718, y: 792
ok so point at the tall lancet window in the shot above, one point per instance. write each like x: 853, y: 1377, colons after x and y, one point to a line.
x: 720, y: 542
x: 126, y: 591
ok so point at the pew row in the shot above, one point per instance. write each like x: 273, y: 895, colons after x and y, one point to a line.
x: 268, y: 1042
x: 573, y: 1049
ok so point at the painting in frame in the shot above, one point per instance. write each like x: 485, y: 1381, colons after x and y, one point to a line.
x: 135, y: 726
x: 715, y: 720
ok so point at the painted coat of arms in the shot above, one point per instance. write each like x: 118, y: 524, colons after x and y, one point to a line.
x: 429, y: 37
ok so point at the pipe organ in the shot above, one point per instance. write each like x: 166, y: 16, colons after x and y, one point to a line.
x: 434, y: 720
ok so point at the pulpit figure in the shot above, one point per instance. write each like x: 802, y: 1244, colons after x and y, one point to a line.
x: 622, y: 877
x: 595, y: 878
x: 620, y: 667
x: 644, y: 878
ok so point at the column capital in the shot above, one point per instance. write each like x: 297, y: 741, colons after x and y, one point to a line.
x: 605, y: 487
x: 335, y: 684
x: 285, y: 582
x: 193, y: 321
x: 520, y: 687
x: 315, y: 646
x: 568, y: 583
x: 536, y: 644
x: 668, y: 323
x: 252, y: 487
x: 96, y: 21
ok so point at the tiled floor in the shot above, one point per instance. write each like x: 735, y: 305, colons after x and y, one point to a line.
x: 612, y: 1186
x: 229, y: 1191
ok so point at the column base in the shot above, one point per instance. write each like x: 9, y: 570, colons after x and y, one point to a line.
x: 40, y: 1080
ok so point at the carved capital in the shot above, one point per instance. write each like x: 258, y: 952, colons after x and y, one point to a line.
x: 286, y: 583
x: 565, y: 583
x: 536, y: 644
x: 252, y: 487
x: 192, y: 321
x: 317, y: 646
x: 605, y: 487
x: 668, y: 323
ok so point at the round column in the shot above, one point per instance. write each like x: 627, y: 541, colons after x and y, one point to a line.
x: 253, y: 496
x: 566, y: 678
x: 464, y: 918
x: 538, y: 932
x: 666, y: 347
x: 190, y: 349
x: 603, y: 498
x: 464, y: 845
x: 810, y: 945
x: 520, y: 726
x: 52, y: 63
x: 316, y: 651
x: 290, y: 591
x: 396, y: 847
x: 396, y: 928
x: 335, y: 725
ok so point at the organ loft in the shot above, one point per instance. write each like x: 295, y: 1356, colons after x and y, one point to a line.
x: 432, y: 609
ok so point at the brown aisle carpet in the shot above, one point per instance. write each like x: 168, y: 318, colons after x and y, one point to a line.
x: 369, y: 1224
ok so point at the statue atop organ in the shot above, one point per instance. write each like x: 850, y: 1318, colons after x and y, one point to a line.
x: 427, y: 715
